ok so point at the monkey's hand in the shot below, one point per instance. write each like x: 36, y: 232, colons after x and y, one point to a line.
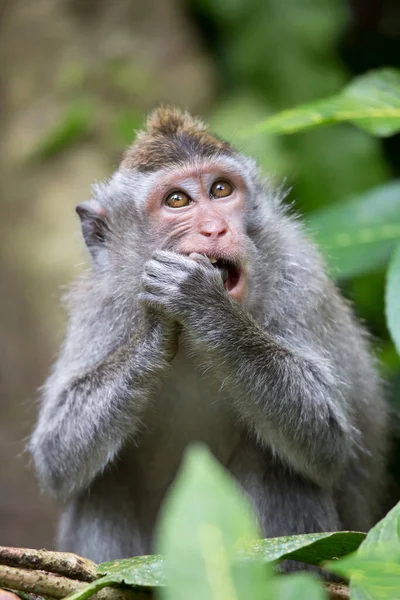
x: 181, y: 287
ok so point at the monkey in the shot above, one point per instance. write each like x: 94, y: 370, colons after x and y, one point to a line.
x: 206, y: 314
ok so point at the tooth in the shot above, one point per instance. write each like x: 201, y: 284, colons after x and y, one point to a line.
x: 213, y: 260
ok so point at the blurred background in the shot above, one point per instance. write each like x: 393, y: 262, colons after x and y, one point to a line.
x: 76, y: 77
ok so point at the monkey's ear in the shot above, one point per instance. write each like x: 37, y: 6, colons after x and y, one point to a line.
x: 95, y: 226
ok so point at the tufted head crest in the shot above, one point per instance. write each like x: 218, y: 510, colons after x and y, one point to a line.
x: 172, y: 137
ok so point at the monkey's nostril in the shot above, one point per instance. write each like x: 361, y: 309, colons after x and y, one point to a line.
x: 213, y: 232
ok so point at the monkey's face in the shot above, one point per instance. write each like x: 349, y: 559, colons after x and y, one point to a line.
x: 200, y: 209
x: 179, y: 188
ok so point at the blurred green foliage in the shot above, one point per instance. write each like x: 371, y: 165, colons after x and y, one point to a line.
x: 393, y: 298
x: 371, y: 102
x: 360, y: 235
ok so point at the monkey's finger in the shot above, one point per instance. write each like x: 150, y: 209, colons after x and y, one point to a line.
x: 201, y: 259
x: 166, y: 256
x: 155, y: 302
x: 172, y: 258
x: 149, y: 299
x: 158, y: 286
x: 163, y: 271
x: 154, y: 269
x: 161, y: 274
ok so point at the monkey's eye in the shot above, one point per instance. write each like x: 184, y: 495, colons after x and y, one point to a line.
x: 177, y: 200
x: 221, y: 189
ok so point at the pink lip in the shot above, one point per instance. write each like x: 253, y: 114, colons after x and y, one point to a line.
x: 238, y: 292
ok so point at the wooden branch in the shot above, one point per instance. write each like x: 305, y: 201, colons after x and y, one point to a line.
x: 41, y: 582
x: 63, y: 563
x: 338, y: 591
x: 57, y: 586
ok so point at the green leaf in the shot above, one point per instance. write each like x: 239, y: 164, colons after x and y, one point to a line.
x: 376, y: 573
x: 393, y: 298
x: 139, y: 571
x: 386, y: 532
x: 377, y: 94
x: 312, y: 548
x: 143, y: 571
x: 296, y: 586
x: 371, y: 102
x: 205, y: 520
x: 360, y: 235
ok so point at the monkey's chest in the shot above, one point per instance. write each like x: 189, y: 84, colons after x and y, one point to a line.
x: 189, y: 407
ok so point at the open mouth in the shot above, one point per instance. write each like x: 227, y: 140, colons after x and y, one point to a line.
x: 230, y: 272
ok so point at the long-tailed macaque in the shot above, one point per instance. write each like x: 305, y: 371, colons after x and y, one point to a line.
x: 205, y: 315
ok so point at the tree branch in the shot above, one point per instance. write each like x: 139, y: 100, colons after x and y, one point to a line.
x: 41, y: 582
x: 337, y: 591
x: 56, y: 586
x: 63, y: 563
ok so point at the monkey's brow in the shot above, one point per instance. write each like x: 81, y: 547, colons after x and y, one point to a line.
x: 222, y: 166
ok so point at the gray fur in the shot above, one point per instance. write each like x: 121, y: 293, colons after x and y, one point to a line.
x: 283, y: 389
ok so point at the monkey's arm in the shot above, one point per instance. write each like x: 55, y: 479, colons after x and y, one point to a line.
x: 88, y: 413
x: 289, y: 397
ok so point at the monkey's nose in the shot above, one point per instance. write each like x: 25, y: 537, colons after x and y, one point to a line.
x: 213, y: 230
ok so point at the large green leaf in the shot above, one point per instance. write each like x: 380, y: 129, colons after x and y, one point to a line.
x: 376, y: 573
x: 393, y: 298
x: 143, y: 571
x: 205, y: 520
x: 297, y: 586
x: 360, y: 235
x: 386, y: 532
x: 312, y: 548
x: 371, y: 101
